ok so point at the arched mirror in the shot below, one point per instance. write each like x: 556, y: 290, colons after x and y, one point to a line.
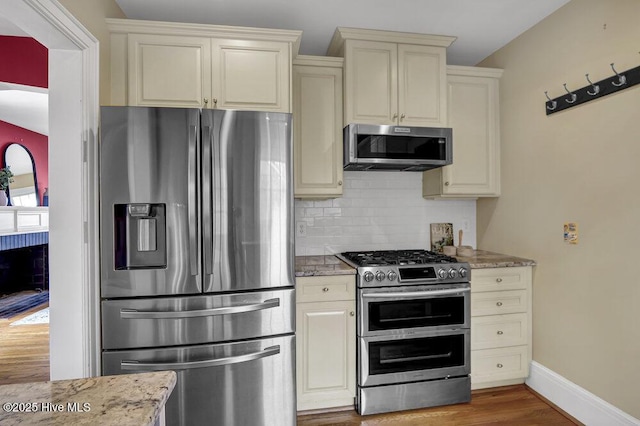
x: 23, y: 190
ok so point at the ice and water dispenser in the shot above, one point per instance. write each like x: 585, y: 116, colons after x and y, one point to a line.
x: 140, y: 236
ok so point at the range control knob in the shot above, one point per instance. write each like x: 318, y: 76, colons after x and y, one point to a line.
x: 463, y: 272
x: 380, y: 276
x: 442, y: 273
x: 392, y: 276
x: 368, y: 276
x: 453, y: 273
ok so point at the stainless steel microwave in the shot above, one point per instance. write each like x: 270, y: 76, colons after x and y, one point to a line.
x: 376, y: 147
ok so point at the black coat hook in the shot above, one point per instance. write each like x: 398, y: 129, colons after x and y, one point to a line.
x: 573, y: 96
x: 621, y: 78
x: 596, y: 88
x: 553, y: 105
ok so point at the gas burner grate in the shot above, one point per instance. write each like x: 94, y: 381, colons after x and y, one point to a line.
x: 396, y: 257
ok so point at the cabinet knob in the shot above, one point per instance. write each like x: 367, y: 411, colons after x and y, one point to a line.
x: 206, y: 101
x: 352, y: 313
x: 339, y: 183
x: 498, y: 280
x: 500, y: 332
x: 215, y: 102
x: 395, y: 115
x: 499, y: 365
x: 326, y: 289
x: 402, y: 117
x: 499, y: 304
x: 446, y: 184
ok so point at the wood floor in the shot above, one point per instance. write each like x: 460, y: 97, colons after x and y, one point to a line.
x: 512, y: 405
x: 24, y: 350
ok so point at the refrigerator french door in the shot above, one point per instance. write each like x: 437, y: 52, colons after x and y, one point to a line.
x: 197, y: 259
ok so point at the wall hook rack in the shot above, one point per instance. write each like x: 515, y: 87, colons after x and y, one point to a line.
x: 613, y: 84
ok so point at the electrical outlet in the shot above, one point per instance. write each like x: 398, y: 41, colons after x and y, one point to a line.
x: 301, y: 229
x: 465, y: 225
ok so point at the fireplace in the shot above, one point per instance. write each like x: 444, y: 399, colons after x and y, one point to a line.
x: 24, y: 265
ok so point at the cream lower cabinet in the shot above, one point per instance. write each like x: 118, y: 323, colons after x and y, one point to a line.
x: 325, y: 341
x: 317, y: 127
x: 500, y: 326
x: 473, y: 113
x: 201, y: 66
x: 393, y: 78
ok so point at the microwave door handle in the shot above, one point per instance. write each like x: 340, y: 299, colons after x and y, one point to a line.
x: 416, y: 293
x: 216, y: 362
x: 135, y: 314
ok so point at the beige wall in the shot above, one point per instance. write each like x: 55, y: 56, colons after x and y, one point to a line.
x: 92, y: 14
x: 582, y: 165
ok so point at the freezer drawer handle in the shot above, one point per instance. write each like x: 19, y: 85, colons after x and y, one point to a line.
x: 159, y: 366
x: 135, y: 314
x: 409, y: 294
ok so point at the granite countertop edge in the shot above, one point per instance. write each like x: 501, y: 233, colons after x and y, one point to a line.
x: 327, y: 265
x: 483, y: 259
x: 323, y: 265
x: 128, y: 399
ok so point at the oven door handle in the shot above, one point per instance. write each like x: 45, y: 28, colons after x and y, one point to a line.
x: 406, y: 294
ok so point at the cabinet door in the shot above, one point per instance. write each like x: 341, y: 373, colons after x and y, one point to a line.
x: 317, y: 141
x: 325, y: 354
x: 422, y: 90
x: 473, y: 113
x: 168, y: 71
x: 473, y: 116
x: 371, y: 82
x: 251, y: 75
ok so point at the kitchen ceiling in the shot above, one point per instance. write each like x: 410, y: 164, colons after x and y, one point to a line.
x: 481, y: 26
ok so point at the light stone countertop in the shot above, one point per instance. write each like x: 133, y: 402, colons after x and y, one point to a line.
x: 487, y: 259
x: 311, y: 266
x: 123, y: 400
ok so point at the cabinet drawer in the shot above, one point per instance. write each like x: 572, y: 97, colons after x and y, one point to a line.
x: 498, y: 302
x: 496, y: 279
x: 499, y: 331
x: 492, y: 365
x: 325, y: 288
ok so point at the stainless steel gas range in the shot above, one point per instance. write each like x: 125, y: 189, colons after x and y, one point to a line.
x: 413, y: 330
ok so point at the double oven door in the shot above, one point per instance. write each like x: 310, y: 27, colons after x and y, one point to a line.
x: 413, y: 333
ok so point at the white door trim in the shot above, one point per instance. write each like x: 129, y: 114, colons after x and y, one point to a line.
x: 73, y: 180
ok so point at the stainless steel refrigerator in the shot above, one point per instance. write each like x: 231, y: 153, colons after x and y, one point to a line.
x: 197, y: 259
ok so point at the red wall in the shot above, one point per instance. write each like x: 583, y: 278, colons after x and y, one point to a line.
x: 36, y: 143
x: 25, y: 61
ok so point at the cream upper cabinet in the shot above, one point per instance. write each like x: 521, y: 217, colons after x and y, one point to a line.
x: 168, y: 70
x: 473, y: 111
x: 206, y: 66
x: 325, y: 341
x: 500, y: 326
x: 393, y: 78
x: 371, y: 83
x: 250, y: 75
x: 317, y: 127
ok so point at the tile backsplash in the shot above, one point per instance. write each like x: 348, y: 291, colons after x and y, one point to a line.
x: 379, y: 211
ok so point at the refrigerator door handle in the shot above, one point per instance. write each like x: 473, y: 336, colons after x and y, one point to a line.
x: 216, y: 362
x: 193, y: 208
x: 206, y: 201
x: 136, y: 314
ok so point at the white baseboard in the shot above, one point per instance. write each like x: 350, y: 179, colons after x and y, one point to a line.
x: 576, y: 401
